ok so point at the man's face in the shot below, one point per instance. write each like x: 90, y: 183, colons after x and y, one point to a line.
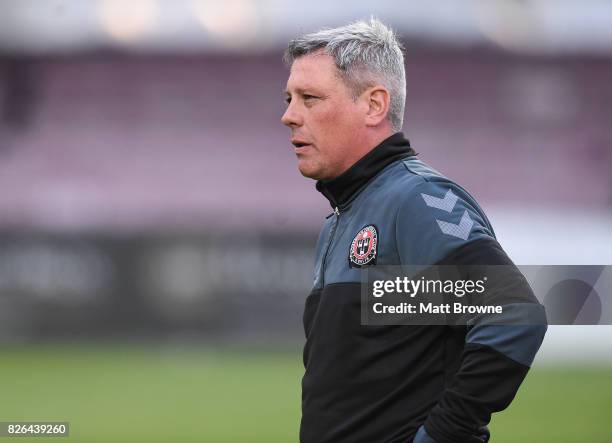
x: 324, y: 119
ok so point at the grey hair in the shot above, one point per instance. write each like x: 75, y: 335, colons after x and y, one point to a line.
x: 365, y: 53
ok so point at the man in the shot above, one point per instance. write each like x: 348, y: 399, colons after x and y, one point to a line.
x: 345, y: 103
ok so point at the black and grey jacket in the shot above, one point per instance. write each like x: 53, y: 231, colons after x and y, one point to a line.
x: 397, y: 384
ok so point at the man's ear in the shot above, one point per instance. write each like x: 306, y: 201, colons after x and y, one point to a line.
x: 378, y: 100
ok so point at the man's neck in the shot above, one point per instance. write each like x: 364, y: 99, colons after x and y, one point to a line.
x: 342, y: 189
x: 368, y: 142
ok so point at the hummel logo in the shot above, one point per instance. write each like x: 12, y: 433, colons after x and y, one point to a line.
x: 447, y: 204
x: 461, y: 230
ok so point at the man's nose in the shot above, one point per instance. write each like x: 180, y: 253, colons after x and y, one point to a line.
x: 291, y: 118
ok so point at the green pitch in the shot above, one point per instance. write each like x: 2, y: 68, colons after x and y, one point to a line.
x: 138, y: 394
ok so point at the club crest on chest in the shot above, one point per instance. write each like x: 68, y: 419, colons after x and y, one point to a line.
x: 364, y: 247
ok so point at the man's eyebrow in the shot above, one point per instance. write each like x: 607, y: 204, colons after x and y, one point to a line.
x: 297, y: 90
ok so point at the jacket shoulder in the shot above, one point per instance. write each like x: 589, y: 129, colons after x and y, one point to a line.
x: 434, y: 214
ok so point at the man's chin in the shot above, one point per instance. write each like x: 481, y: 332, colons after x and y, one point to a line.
x: 309, y: 170
x: 309, y: 173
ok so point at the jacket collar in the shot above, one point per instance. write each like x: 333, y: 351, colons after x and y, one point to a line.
x: 340, y: 190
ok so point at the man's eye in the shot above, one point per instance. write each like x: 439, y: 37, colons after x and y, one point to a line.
x: 308, y: 97
x: 287, y: 100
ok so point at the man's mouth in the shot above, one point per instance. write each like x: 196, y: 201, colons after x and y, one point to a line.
x: 299, y: 143
x: 300, y: 146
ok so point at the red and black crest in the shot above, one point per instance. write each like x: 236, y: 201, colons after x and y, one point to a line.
x: 364, y: 247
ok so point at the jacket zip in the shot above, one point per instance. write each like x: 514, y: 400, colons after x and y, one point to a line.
x: 331, y: 240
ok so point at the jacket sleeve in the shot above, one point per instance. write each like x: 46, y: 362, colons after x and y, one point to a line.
x: 448, y: 228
